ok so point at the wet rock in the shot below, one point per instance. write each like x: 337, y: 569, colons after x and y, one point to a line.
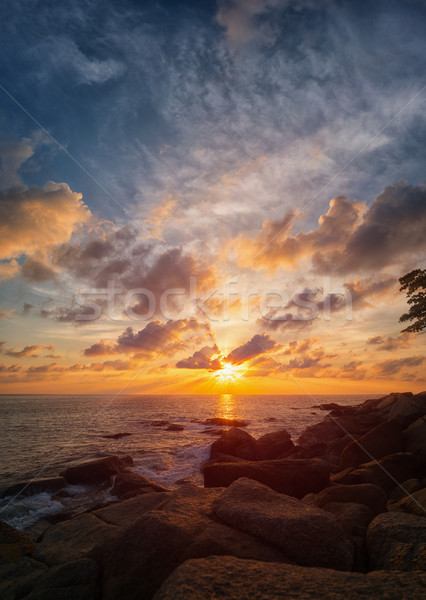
x: 385, y: 439
x: 96, y: 471
x: 129, y: 484
x: 35, y: 486
x: 159, y: 423
x: 305, y: 534
x: 236, y: 579
x: 272, y: 445
x: 175, y: 427
x: 71, y: 540
x: 127, y: 512
x: 116, y: 436
x: 397, y: 542
x: 223, y: 422
x: 13, y: 543
x: 235, y: 442
x: 293, y: 477
x: 368, y: 494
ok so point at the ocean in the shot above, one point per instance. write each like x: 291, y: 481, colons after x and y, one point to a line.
x: 42, y: 434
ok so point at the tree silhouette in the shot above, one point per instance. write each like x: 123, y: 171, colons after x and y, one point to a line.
x: 415, y: 285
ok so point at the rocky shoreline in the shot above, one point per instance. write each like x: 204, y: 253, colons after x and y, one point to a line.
x: 339, y: 513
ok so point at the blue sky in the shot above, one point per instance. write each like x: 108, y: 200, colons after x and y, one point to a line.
x: 203, y: 125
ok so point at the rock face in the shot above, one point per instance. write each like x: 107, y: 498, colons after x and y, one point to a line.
x: 236, y: 579
x: 13, y: 543
x: 408, y: 409
x: 415, y: 435
x: 35, y: 486
x: 386, y: 472
x: 293, y: 477
x: 387, y: 438
x: 96, y: 471
x: 129, y: 484
x: 235, y: 442
x: 306, y: 534
x: 397, y: 542
x: 414, y: 503
x: 368, y: 494
x: 272, y: 445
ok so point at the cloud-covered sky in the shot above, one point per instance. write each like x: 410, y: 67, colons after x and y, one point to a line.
x: 201, y: 195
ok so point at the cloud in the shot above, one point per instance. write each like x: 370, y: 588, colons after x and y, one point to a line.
x: 389, y: 343
x: 33, y: 220
x: 202, y: 359
x: 9, y: 368
x: 259, y: 344
x: 155, y: 337
x: 350, y: 237
x: 29, y: 350
x: 393, y: 366
x: 12, y: 156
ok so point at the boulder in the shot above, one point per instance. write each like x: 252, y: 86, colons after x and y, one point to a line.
x: 13, y: 543
x: 17, y: 577
x: 320, y: 433
x: 397, y: 542
x: 129, y: 484
x: 305, y: 534
x: 272, y: 445
x: 368, y: 494
x: 235, y: 579
x: 387, y: 438
x: 388, y: 401
x: 35, y: 486
x: 235, y: 442
x: 355, y: 518
x: 386, y: 472
x: 407, y: 409
x: 415, y: 436
x: 70, y: 540
x: 403, y: 489
x: 175, y: 427
x: 293, y: 477
x: 116, y: 436
x: 223, y: 422
x: 414, y: 504
x: 96, y: 471
x: 125, y: 513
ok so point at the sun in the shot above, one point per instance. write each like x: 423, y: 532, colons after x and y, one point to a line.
x: 228, y: 373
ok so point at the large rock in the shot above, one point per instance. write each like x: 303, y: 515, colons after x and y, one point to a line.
x: 272, y: 445
x: 386, y: 403
x: 320, y: 433
x: 414, y: 503
x: 386, y: 472
x: 35, y: 486
x: 235, y: 442
x: 387, y: 438
x: 354, y: 517
x: 224, y: 422
x: 415, y: 436
x: 127, y: 512
x: 13, y: 543
x: 407, y: 409
x: 293, y: 477
x: 129, y: 484
x: 397, y: 542
x: 96, y: 471
x: 17, y: 577
x: 70, y: 540
x: 235, y: 579
x: 305, y: 534
x: 368, y: 494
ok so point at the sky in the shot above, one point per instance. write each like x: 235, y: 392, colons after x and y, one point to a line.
x: 208, y: 197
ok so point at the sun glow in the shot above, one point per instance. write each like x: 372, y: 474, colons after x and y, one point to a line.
x: 228, y: 373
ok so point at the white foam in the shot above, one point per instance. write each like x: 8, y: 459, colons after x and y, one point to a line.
x: 23, y: 511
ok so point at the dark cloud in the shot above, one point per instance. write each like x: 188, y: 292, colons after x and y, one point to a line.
x: 202, y: 359
x: 37, y: 270
x: 9, y: 368
x: 88, y: 311
x: 393, y: 366
x: 350, y: 237
x: 259, y: 344
x: 29, y: 351
x: 100, y: 349
x: 390, y: 343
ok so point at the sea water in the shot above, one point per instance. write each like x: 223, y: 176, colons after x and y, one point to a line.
x: 43, y: 434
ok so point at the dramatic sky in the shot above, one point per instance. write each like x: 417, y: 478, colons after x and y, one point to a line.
x: 198, y: 197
